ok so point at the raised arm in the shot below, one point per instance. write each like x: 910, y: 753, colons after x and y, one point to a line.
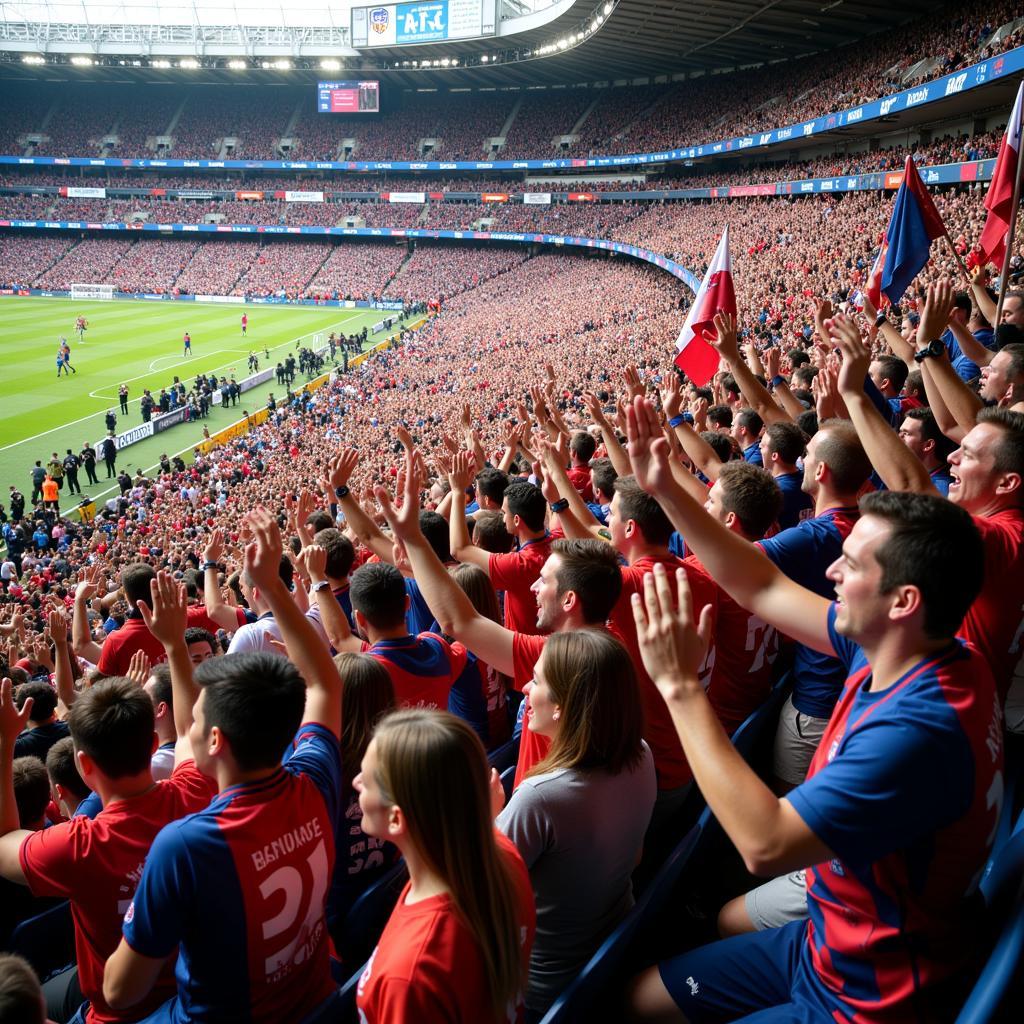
x: 81, y: 639
x: 222, y: 613
x: 757, y: 395
x: 781, y: 392
x: 451, y: 607
x: 166, y: 617
x: 740, y: 567
x: 577, y: 520
x: 305, y: 648
x: 768, y: 833
x: 963, y: 404
x: 616, y: 453
x: 899, y: 468
x: 462, y: 547
x: 697, y: 450
x: 335, y: 622
x: 365, y: 529
x: 64, y: 678
x: 12, y: 835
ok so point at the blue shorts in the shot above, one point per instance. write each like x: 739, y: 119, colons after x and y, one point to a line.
x: 759, y: 977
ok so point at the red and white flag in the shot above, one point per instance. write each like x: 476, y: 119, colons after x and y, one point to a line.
x: 999, y: 200
x: 873, y: 286
x: 694, y: 356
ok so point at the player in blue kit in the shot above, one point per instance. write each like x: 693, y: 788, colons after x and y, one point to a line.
x: 895, y: 819
x: 240, y: 888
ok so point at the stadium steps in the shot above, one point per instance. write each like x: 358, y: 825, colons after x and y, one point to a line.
x: 169, y: 130
x: 647, y: 111
x: 506, y: 127
x: 581, y: 120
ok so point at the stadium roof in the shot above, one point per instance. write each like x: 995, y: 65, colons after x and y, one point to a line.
x: 589, y: 40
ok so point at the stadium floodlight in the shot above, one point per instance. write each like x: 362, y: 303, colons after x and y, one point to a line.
x: 330, y: 64
x: 607, y: 8
x: 188, y: 63
x: 33, y: 58
x: 159, y: 63
x: 483, y: 59
x: 237, y: 65
x: 81, y: 61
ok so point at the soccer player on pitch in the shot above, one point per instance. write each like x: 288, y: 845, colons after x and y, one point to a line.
x: 188, y: 343
x: 245, y: 323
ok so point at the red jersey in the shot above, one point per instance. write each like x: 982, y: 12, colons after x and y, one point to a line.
x: 669, y: 760
x: 533, y: 747
x: 515, y: 573
x: 994, y: 624
x: 117, y: 650
x: 427, y: 965
x: 741, y: 668
x: 422, y: 668
x: 579, y: 477
x: 97, y: 863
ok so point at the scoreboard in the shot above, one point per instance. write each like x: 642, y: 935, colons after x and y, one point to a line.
x: 423, y: 21
x: 348, y: 97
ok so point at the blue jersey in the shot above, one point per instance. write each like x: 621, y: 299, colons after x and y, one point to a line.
x: 905, y: 789
x: 240, y: 890
x: 941, y: 479
x: 796, y: 505
x: 752, y: 454
x: 966, y: 368
x: 804, y: 553
x: 467, y: 698
x: 419, y: 618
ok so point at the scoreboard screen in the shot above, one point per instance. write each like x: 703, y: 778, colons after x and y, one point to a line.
x: 348, y: 97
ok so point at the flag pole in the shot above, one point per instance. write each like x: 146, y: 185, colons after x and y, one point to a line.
x: 1008, y: 255
x: 956, y: 256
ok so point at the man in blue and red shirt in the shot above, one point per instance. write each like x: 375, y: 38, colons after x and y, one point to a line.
x: 894, y: 820
x: 239, y: 890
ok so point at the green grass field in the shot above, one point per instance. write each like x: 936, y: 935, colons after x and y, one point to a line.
x: 139, y: 344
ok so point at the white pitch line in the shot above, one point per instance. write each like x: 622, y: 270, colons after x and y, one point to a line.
x: 132, y: 401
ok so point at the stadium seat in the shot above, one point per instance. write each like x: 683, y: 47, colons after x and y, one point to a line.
x: 505, y: 756
x: 346, y: 1008
x: 748, y: 738
x: 326, y: 1012
x: 508, y: 778
x: 1003, y: 889
x: 46, y: 941
x: 365, y: 921
x: 605, y: 967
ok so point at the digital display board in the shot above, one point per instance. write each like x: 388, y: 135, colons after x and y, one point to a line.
x: 430, y: 21
x: 348, y: 97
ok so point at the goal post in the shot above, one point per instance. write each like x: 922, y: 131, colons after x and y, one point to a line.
x: 92, y: 291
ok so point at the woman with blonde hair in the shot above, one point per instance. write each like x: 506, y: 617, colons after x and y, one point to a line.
x: 457, y: 945
x: 579, y: 817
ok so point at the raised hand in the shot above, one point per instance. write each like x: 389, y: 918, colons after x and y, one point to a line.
x: 314, y: 561
x: 12, y: 721
x: 671, y: 396
x: 937, y: 310
x: 214, y: 549
x: 166, y: 615
x: 634, y: 384
x: 263, y: 557
x: 88, y: 587
x: 672, y: 642
x: 305, y: 506
x: 139, y: 667
x: 463, y: 471
x: 648, y: 450
x: 822, y: 312
x: 772, y: 361
x: 403, y: 513
x: 57, y: 627
x: 724, y: 340
x: 856, y: 355
x: 341, y: 466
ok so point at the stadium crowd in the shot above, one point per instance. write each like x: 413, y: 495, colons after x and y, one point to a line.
x: 250, y: 689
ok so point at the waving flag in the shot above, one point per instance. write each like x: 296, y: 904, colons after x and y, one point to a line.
x: 873, y: 286
x: 914, y: 225
x: 694, y: 356
x: 999, y: 200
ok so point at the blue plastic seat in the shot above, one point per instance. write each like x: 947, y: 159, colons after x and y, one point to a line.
x: 46, y: 941
x: 369, y: 914
x: 1003, y: 889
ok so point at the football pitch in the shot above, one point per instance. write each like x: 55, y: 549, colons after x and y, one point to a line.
x: 138, y: 344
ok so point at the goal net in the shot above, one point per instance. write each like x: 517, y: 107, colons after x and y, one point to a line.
x: 92, y: 291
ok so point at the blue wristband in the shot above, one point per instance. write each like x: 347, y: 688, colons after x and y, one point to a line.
x: 677, y: 420
x: 777, y: 380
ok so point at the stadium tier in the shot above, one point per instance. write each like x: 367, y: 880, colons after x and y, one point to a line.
x: 535, y: 594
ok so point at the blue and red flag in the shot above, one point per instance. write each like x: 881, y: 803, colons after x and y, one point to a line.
x: 914, y: 225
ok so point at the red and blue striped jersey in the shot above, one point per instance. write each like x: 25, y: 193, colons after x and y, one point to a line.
x: 905, y: 789
x: 240, y: 889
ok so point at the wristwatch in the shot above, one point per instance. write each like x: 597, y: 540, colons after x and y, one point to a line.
x: 317, y: 587
x: 341, y: 492
x: 559, y: 506
x: 930, y: 351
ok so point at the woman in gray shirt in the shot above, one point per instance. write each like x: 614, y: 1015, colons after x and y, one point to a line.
x: 578, y: 819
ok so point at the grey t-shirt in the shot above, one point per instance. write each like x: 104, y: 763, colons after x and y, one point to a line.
x: 580, y: 834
